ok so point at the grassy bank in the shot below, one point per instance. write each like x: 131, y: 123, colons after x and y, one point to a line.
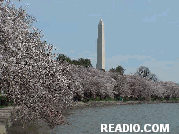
x: 122, y: 101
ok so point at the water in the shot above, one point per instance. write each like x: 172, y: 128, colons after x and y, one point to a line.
x: 89, y: 120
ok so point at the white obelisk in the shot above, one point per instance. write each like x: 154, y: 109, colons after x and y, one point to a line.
x: 100, y: 47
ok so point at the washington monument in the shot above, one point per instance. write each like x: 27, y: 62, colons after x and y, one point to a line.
x: 100, y: 47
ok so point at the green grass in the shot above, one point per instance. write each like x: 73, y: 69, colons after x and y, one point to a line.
x: 98, y: 99
x: 174, y: 99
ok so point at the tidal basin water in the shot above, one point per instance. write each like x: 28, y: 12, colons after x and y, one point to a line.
x: 89, y: 120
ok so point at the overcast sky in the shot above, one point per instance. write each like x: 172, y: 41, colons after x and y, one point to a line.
x: 137, y: 32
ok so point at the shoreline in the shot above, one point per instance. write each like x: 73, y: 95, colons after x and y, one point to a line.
x: 110, y: 103
x: 93, y: 104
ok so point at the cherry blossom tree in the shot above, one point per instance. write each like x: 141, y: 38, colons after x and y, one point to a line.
x: 36, y: 83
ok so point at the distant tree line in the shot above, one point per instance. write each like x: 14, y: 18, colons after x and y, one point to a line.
x: 81, y: 61
x: 141, y: 71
